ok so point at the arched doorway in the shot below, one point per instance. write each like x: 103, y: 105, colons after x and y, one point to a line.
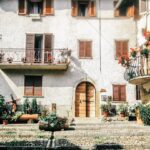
x: 85, y: 100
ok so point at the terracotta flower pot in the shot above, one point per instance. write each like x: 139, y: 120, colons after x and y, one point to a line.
x: 106, y: 114
x: 5, y: 122
x: 122, y: 114
x: 26, y: 117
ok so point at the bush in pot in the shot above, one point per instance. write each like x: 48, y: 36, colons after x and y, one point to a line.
x: 5, y: 118
x: 123, y: 110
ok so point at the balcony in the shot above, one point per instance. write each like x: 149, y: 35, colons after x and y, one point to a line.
x: 138, y: 70
x: 34, y: 59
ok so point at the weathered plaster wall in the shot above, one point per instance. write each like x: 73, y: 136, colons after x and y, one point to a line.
x: 59, y: 86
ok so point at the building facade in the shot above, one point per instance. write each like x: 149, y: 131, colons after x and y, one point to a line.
x: 66, y: 52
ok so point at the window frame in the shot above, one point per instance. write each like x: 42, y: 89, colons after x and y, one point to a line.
x: 119, y: 93
x: 91, y: 57
x: 33, y: 87
x: 121, y: 40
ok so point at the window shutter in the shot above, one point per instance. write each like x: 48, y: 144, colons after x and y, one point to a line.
x: 116, y: 13
x: 124, y: 48
x: 143, y: 5
x: 122, y: 93
x: 130, y: 11
x: 74, y: 8
x: 48, y: 47
x: 49, y: 8
x: 28, y: 86
x: 92, y: 9
x: 30, y: 48
x: 88, y: 49
x: 81, y: 49
x: 37, y: 86
x: 21, y: 7
x: 115, y: 92
x: 118, y: 49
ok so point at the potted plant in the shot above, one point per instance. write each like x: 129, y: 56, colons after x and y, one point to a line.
x: 5, y: 118
x: 123, y: 110
x: 105, y: 110
x: 133, y: 52
x: 124, y: 61
x: 10, y: 59
x: 145, y: 52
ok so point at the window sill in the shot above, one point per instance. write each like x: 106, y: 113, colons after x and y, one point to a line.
x: 85, y: 57
x: 33, y: 96
x: 85, y: 17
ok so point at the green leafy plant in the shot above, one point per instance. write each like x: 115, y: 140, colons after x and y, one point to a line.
x: 16, y: 116
x: 145, y: 52
x: 6, y: 116
x: 27, y: 106
x: 34, y: 106
x: 1, y: 104
x: 123, y: 108
x: 145, y: 114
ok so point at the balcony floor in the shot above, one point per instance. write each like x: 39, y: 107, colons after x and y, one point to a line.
x: 33, y: 66
x: 140, y: 80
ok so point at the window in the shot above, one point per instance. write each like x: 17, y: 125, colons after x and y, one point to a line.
x: 143, y: 5
x: 121, y: 48
x: 125, y: 9
x: 35, y: 7
x: 35, y: 45
x: 119, y: 92
x: 84, y: 8
x: 138, y: 93
x: 44, y: 7
x: 85, y: 49
x: 33, y: 86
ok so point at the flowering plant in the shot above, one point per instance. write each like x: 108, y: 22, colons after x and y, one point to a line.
x: 124, y: 61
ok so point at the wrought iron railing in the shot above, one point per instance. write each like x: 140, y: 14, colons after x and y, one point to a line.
x: 43, y: 56
x: 138, y: 66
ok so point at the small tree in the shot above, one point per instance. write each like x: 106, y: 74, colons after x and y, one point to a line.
x: 34, y: 106
x: 26, y: 106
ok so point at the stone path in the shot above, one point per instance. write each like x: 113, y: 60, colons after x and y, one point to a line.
x: 85, y: 134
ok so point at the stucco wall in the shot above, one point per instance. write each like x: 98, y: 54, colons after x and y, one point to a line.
x: 103, y: 30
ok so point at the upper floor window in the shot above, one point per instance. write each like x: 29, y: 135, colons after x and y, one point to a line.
x: 85, y: 49
x: 84, y: 8
x: 121, y: 48
x: 44, y: 7
x: 124, y: 9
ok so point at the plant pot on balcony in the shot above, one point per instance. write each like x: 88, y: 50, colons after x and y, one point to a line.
x: 26, y: 117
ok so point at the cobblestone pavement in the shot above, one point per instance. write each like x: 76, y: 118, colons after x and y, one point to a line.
x: 128, y: 135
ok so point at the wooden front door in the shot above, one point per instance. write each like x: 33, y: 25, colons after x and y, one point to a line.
x: 85, y: 100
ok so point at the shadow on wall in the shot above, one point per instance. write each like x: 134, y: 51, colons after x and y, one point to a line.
x: 52, y: 78
x: 9, y: 5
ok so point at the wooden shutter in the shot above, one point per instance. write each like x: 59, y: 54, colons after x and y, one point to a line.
x: 21, y: 7
x: 37, y: 86
x: 92, y: 8
x: 118, y: 48
x: 115, y: 92
x: 48, y: 39
x: 124, y: 49
x: 49, y: 7
x: 122, y: 93
x: 130, y: 11
x: 28, y: 86
x: 88, y: 49
x: 81, y: 49
x: 116, y: 13
x: 143, y: 5
x: 74, y: 8
x: 30, y: 39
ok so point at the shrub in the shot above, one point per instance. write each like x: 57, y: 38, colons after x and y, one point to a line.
x: 145, y: 114
x: 26, y: 106
x: 35, y: 108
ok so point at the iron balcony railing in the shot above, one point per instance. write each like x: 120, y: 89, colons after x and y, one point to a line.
x: 138, y: 66
x: 43, y: 56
